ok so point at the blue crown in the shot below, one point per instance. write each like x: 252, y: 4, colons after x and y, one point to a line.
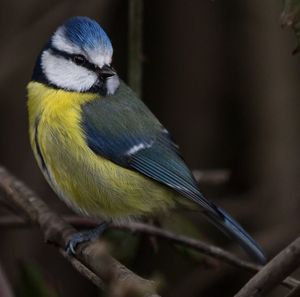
x: 86, y: 33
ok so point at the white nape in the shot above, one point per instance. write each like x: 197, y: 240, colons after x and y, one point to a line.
x: 65, y: 74
x: 60, y: 42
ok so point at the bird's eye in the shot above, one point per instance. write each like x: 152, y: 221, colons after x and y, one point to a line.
x: 79, y: 59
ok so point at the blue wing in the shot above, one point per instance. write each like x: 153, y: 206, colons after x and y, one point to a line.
x: 122, y: 129
x: 128, y: 134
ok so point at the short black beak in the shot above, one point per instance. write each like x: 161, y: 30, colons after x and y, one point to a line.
x: 106, y: 71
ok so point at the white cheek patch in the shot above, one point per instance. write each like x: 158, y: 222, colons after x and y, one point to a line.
x: 65, y: 74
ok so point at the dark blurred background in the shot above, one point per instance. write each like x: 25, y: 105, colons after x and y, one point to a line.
x: 221, y: 77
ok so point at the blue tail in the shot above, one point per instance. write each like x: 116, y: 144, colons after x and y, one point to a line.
x: 231, y: 228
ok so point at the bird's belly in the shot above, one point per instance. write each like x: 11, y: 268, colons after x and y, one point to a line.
x: 94, y: 185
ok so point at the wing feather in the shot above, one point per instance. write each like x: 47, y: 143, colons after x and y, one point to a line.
x: 122, y: 129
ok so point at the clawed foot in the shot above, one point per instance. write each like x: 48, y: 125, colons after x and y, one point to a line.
x: 84, y: 236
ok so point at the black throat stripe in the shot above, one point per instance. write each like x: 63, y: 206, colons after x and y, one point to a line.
x: 38, y: 149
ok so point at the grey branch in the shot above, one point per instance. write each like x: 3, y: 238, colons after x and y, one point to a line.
x: 118, y: 279
x: 59, y: 233
x: 90, y: 275
x: 274, y: 272
x: 295, y: 292
x: 204, y: 248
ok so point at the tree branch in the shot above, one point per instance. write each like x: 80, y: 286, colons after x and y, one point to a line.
x: 207, y: 249
x: 57, y: 231
x: 92, y: 255
x: 274, y: 272
x: 204, y: 248
x: 90, y: 275
x: 294, y: 293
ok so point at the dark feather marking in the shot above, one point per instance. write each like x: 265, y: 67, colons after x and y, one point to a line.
x: 38, y: 149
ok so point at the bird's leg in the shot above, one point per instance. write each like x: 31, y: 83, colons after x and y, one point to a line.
x: 85, y: 236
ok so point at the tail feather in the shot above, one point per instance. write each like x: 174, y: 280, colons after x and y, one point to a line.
x: 231, y: 228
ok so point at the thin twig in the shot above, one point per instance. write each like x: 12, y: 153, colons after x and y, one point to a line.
x: 84, y: 270
x: 274, y: 272
x: 205, y: 248
x: 294, y: 293
x: 202, y: 247
x: 93, y: 255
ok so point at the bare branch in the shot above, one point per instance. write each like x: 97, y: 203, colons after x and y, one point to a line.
x: 202, y: 247
x: 57, y: 231
x: 206, y: 249
x: 93, y: 255
x: 274, y: 272
x: 84, y: 270
x: 295, y: 292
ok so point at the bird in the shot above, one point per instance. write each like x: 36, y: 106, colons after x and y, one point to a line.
x: 100, y: 148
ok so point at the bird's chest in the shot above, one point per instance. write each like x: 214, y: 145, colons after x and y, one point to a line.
x: 55, y: 120
x: 57, y: 138
x: 59, y: 143
x: 84, y: 179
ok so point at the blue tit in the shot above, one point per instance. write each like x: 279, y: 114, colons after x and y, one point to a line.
x: 99, y: 147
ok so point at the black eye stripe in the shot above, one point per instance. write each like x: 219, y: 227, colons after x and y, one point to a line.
x: 85, y: 63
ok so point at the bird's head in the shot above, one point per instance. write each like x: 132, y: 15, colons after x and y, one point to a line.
x: 78, y: 58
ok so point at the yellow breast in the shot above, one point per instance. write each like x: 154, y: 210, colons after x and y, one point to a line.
x: 86, y: 181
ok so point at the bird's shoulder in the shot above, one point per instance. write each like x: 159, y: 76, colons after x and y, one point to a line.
x: 117, y: 126
x: 122, y: 129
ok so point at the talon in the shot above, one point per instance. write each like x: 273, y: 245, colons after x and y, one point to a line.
x: 72, y: 244
x: 84, y: 237
x: 70, y: 250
